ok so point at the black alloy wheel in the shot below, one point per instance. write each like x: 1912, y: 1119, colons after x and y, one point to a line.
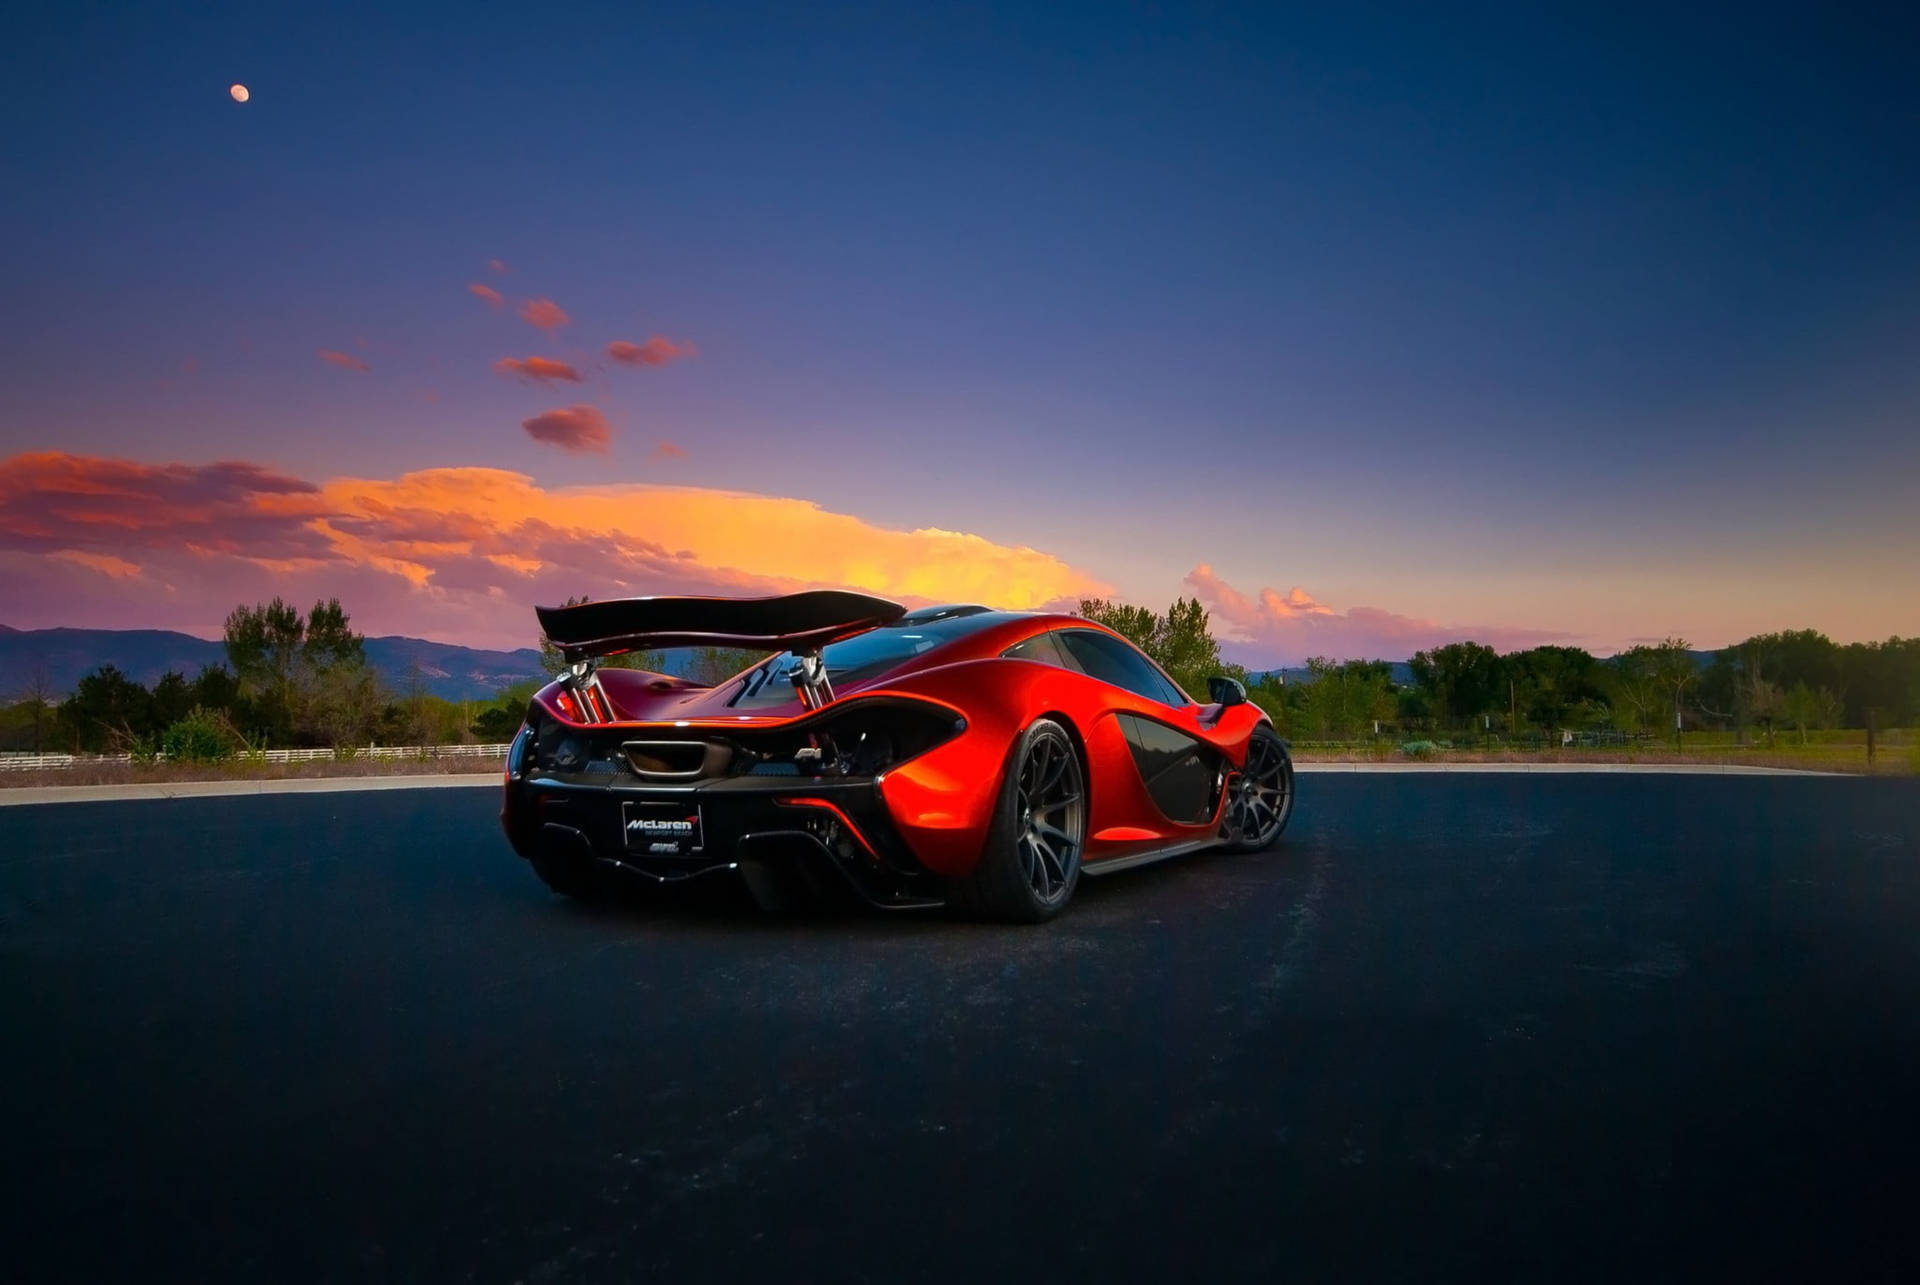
x: 1262, y: 794
x: 1031, y: 863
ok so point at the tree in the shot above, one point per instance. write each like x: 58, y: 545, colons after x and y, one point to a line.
x: 329, y: 639
x: 1181, y: 641
x: 714, y: 665
x: 1137, y: 625
x: 1342, y: 700
x: 107, y: 710
x: 1184, y: 645
x: 263, y: 646
x: 1551, y: 685
x: 1805, y: 707
x: 38, y: 704
x: 307, y: 676
x: 172, y: 699
x: 343, y: 703
x: 1464, y: 679
x: 217, y: 688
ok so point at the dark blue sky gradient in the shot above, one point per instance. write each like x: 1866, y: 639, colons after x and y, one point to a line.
x: 1431, y: 307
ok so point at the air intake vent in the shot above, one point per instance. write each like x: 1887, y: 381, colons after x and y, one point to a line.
x: 677, y: 760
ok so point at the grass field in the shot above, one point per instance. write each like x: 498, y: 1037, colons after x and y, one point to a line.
x: 1896, y: 751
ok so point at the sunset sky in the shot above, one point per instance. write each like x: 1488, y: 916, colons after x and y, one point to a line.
x: 1372, y: 327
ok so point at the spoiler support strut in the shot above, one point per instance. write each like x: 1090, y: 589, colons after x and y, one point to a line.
x: 809, y: 677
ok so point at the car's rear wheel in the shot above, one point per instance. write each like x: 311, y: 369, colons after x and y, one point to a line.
x: 1262, y: 798
x: 1031, y: 864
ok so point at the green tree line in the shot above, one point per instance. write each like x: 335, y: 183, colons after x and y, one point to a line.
x: 290, y: 679
x: 295, y: 678
x: 1771, y: 684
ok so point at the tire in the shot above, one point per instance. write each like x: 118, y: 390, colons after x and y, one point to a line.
x: 570, y: 874
x: 1264, y: 799
x: 1031, y: 863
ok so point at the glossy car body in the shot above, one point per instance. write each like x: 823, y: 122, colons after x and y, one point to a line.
x: 894, y: 779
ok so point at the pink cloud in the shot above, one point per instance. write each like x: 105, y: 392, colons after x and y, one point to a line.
x: 538, y: 369
x: 344, y: 360
x: 497, y: 266
x: 544, y: 313
x: 53, y: 501
x: 670, y: 451
x: 1272, y: 628
x: 657, y: 351
x: 486, y: 293
x: 574, y: 428
x: 455, y: 553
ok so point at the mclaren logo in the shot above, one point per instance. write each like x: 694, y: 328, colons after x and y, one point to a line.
x: 643, y: 826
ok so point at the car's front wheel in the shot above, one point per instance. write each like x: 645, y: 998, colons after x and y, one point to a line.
x: 1031, y: 863
x: 1262, y: 799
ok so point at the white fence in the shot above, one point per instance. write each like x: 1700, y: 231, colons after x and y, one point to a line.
x: 26, y: 762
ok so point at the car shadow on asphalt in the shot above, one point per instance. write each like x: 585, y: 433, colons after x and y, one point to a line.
x: 721, y: 902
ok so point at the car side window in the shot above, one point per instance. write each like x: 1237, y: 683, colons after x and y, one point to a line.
x: 1112, y: 660
x: 1040, y: 647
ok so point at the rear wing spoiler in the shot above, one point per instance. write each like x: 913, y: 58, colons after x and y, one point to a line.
x: 799, y: 622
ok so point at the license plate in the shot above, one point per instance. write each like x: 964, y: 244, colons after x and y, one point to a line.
x: 662, y: 828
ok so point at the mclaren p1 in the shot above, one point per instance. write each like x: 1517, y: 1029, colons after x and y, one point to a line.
x: 950, y: 755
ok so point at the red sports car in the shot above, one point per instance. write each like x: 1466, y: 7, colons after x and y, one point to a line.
x: 950, y: 755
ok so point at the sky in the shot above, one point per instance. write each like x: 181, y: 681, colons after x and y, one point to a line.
x: 1373, y: 327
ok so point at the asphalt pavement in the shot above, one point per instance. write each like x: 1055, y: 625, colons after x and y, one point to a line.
x: 1498, y: 1027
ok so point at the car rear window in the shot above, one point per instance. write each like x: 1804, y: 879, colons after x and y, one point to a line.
x: 862, y: 657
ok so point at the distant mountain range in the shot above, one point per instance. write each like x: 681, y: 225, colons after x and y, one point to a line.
x: 65, y: 655
x: 455, y: 673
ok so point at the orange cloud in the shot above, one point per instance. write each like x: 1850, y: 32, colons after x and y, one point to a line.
x: 457, y: 553
x: 544, y: 313
x: 536, y: 368
x: 575, y: 428
x: 344, y: 360
x: 657, y: 351
x: 669, y: 451
x: 1287, y: 628
x: 497, y: 265
x: 487, y: 294
x: 105, y: 563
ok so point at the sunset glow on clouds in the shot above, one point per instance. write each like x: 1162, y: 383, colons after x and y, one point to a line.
x: 544, y: 313
x: 455, y: 553
x: 487, y: 294
x: 344, y: 360
x: 538, y: 369
x: 573, y: 428
x: 657, y: 351
x: 1293, y: 625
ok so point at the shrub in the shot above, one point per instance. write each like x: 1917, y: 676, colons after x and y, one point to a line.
x: 201, y: 737
x: 1419, y: 749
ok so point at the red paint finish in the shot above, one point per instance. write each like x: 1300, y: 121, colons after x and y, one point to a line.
x: 942, y: 801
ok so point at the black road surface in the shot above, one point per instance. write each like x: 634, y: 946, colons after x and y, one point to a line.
x: 1482, y: 1026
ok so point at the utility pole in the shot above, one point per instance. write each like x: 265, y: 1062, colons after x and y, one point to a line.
x: 1678, y: 685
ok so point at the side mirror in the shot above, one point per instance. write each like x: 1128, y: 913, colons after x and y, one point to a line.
x: 1225, y: 691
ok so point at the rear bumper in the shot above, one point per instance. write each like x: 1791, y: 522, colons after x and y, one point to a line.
x: 749, y: 827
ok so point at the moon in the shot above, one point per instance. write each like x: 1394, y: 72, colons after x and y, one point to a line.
x: 240, y: 94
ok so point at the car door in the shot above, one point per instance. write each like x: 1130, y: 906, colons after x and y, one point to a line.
x: 1182, y: 772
